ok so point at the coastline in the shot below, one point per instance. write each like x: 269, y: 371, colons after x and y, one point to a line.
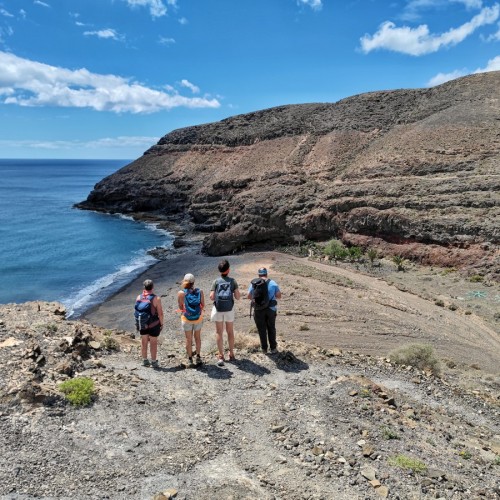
x: 324, y: 305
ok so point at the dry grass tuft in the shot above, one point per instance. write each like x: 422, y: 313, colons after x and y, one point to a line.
x: 243, y: 341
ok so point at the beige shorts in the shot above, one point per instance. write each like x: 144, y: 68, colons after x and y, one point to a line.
x: 191, y: 327
x: 227, y: 316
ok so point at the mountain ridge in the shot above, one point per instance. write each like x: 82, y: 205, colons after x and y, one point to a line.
x: 409, y: 172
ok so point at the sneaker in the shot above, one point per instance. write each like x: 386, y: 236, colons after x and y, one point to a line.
x: 274, y: 351
x: 198, y: 360
x: 145, y: 362
x: 155, y: 364
x: 220, y: 361
x: 190, y: 362
x: 264, y: 351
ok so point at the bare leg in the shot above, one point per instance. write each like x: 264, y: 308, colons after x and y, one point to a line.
x: 219, y: 331
x: 189, y: 343
x: 197, y: 340
x: 144, y: 346
x: 153, y: 347
x: 230, y: 337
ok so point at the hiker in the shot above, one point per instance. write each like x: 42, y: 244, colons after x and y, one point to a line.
x: 263, y: 293
x: 149, y: 322
x: 223, y: 292
x: 191, y: 303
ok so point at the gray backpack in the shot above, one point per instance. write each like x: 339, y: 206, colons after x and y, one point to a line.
x: 224, y: 300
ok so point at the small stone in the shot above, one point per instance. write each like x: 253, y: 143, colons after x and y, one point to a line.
x: 368, y: 450
x: 170, y: 493
x: 353, y: 393
x: 94, y: 344
x: 317, y: 451
x: 382, y: 491
x: 277, y: 428
x: 368, y: 473
x: 375, y: 483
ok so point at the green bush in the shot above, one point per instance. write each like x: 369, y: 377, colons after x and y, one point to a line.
x: 372, y: 255
x: 407, y: 463
x: 420, y: 356
x: 108, y: 342
x: 497, y: 460
x: 336, y: 250
x: 476, y: 278
x: 303, y: 328
x: 78, y: 391
x: 400, y: 262
x: 388, y: 433
x: 355, y: 253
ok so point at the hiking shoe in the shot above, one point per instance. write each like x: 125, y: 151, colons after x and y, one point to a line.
x: 274, y: 351
x: 220, y: 361
x: 190, y: 362
x: 155, y: 364
x: 198, y: 360
x: 145, y: 362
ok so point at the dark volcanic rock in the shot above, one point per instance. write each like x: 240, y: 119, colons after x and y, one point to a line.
x: 414, y: 172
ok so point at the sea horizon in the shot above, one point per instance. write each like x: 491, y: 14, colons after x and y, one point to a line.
x: 52, y: 251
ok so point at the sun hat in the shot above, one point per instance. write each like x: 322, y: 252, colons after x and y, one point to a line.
x: 189, y: 278
x: 262, y: 271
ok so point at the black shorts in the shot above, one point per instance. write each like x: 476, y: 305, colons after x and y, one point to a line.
x: 152, y: 332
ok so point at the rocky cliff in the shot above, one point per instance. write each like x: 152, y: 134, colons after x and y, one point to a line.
x: 413, y: 172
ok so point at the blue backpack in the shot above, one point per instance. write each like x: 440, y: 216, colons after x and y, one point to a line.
x: 192, y: 304
x: 145, y: 317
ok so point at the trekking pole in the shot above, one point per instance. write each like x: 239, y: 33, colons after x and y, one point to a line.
x: 251, y: 305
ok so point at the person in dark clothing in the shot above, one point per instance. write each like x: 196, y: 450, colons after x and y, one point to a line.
x: 265, y: 309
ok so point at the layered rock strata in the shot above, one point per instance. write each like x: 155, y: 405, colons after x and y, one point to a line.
x: 414, y: 172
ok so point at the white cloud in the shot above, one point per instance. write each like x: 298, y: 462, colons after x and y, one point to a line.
x: 22, y: 13
x: 43, y: 4
x: 107, y: 33
x: 492, y: 65
x: 183, y: 21
x: 156, y: 7
x: 193, y: 88
x: 495, y: 37
x: 314, y: 4
x: 445, y: 77
x: 38, y: 84
x: 5, y: 13
x: 165, y: 41
x: 419, y: 41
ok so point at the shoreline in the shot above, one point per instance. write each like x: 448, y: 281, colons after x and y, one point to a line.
x: 327, y: 306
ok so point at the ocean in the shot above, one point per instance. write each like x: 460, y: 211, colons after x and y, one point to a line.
x: 53, y: 252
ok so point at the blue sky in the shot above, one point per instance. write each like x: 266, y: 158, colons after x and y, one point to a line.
x: 108, y: 78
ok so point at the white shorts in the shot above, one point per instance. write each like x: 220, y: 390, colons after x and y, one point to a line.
x: 227, y: 316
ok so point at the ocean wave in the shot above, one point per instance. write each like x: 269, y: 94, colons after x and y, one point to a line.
x: 103, y: 288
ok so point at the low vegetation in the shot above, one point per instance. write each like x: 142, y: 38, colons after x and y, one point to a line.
x: 78, y: 391
x: 408, y: 463
x: 420, y: 356
x: 108, y: 342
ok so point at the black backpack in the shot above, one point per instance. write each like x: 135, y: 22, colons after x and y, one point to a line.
x: 260, y: 294
x: 224, y: 301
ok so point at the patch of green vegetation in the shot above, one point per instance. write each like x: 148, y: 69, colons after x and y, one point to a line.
x: 51, y: 328
x: 388, y: 433
x: 476, y: 278
x: 400, y: 262
x: 336, y: 250
x: 497, y: 460
x: 304, y: 328
x: 420, y: 356
x: 78, y: 391
x: 448, y: 270
x: 468, y: 313
x: 365, y: 393
x: 439, y: 302
x: 465, y: 454
x: 372, y: 255
x: 408, y: 463
x: 452, y: 307
x: 108, y: 342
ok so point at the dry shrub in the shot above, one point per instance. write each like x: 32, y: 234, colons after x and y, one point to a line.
x: 243, y: 341
x: 420, y: 356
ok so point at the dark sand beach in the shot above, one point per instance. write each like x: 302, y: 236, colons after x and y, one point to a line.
x: 333, y: 306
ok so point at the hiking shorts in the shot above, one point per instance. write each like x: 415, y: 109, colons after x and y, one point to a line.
x: 227, y: 316
x: 191, y: 327
x: 152, y: 332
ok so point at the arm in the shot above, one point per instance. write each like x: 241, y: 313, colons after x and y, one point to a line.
x: 237, y: 294
x: 278, y: 294
x: 180, y: 300
x: 159, y: 310
x: 202, y: 300
x: 212, y: 295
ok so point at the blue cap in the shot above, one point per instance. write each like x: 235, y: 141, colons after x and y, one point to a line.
x: 262, y: 271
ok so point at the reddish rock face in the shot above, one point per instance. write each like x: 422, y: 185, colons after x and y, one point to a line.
x: 416, y: 172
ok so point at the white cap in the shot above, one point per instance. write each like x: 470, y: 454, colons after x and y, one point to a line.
x: 189, y: 278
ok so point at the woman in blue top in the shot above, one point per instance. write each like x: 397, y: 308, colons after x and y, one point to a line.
x: 265, y: 313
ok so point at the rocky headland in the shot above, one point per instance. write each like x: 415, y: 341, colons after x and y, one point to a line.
x: 408, y: 172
